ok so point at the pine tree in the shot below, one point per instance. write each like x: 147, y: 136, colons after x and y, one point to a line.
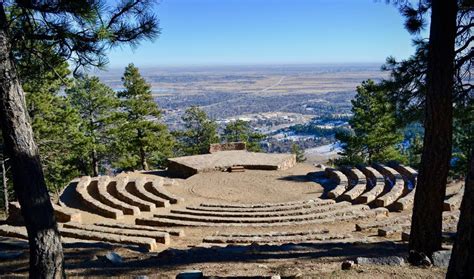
x: 374, y: 125
x: 144, y: 141
x: 295, y: 149
x: 241, y: 131
x: 81, y: 31
x: 96, y: 104
x: 200, y: 132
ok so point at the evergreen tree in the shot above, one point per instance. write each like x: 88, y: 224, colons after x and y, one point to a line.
x: 81, y: 31
x: 143, y: 140
x: 200, y: 132
x: 240, y: 131
x: 54, y: 122
x: 295, y: 149
x: 96, y: 104
x: 374, y: 124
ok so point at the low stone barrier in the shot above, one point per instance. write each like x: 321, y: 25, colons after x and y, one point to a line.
x: 218, y: 147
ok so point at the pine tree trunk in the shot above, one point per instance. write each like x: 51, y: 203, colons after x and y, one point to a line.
x: 143, y: 159
x: 95, y: 163
x: 5, y: 186
x: 461, y: 264
x: 425, y: 236
x: 46, y: 254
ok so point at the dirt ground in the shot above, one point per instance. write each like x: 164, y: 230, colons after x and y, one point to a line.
x: 314, y: 260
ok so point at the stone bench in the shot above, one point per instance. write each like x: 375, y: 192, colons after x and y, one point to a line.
x: 377, y: 224
x: 259, y: 205
x: 160, y: 237
x: 358, y: 188
x: 156, y: 187
x: 138, y: 189
x: 357, y: 215
x: 315, y: 203
x: 104, y: 188
x: 397, y: 186
x: 454, y: 202
x: 275, y: 239
x: 392, y: 230
x: 173, y: 232
x: 62, y: 214
x: 121, y: 193
x: 376, y: 188
x: 145, y: 242
x: 345, y: 210
x: 305, y: 211
x: 92, y: 204
x: 341, y: 180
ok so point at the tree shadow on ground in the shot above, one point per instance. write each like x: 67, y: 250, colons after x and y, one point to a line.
x: 174, y: 258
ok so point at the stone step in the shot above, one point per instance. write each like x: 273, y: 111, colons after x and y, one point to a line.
x: 382, y: 223
x: 259, y: 205
x: 355, y: 215
x: 377, y: 187
x: 156, y: 188
x: 13, y: 231
x: 342, y: 182
x: 274, y: 234
x: 392, y: 195
x: 274, y: 239
x: 454, y: 202
x: 173, y: 232
x: 343, y: 210
x: 305, y: 211
x: 405, y: 202
x: 307, y: 204
x: 145, y: 242
x: 392, y: 230
x: 83, y: 187
x: 62, y: 213
x: 121, y: 193
x: 160, y: 237
x: 105, y: 187
x: 138, y: 189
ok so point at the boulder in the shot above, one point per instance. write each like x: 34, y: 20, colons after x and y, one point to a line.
x: 441, y: 258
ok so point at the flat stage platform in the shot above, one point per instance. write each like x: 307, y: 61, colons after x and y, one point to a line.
x: 189, y: 165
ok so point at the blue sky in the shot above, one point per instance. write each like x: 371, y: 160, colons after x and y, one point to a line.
x: 227, y: 32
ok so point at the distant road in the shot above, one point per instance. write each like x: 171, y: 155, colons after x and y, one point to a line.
x: 274, y: 85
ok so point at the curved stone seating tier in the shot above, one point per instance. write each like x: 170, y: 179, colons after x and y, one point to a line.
x: 160, y: 237
x: 173, y: 232
x: 257, y: 205
x: 275, y: 238
x: 266, y: 208
x: 156, y: 187
x: 351, y: 215
x: 409, y: 175
x: 358, y: 188
x: 405, y: 202
x: 454, y: 202
x: 397, y: 186
x: 343, y: 210
x: 114, y: 237
x: 138, y: 189
x: 310, y: 210
x: 341, y: 180
x: 84, y: 188
x: 377, y: 186
x: 106, y: 187
x: 121, y: 193
x: 145, y: 242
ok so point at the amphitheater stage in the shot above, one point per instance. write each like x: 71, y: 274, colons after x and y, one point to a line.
x: 189, y: 165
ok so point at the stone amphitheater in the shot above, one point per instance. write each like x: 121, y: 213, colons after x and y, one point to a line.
x: 241, y: 198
